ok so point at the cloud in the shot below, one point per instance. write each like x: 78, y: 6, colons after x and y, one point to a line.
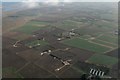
x: 52, y: 2
x: 68, y: 1
x: 30, y: 3
x: 34, y: 3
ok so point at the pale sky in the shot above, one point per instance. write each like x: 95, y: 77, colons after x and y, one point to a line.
x: 62, y: 0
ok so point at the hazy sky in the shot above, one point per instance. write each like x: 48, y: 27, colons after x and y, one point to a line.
x: 62, y: 0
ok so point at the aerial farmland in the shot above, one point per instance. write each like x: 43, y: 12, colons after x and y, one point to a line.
x: 67, y: 40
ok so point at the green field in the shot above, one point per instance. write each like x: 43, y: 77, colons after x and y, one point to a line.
x: 97, y: 27
x: 103, y: 60
x: 78, y: 69
x: 104, y: 43
x: 69, y: 24
x: 32, y: 26
x: 85, y: 36
x: 90, y: 30
x: 84, y: 44
x: 110, y: 39
x: 106, y: 24
x: 21, y: 36
x: 36, y: 42
x: 11, y: 72
x: 88, y: 37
